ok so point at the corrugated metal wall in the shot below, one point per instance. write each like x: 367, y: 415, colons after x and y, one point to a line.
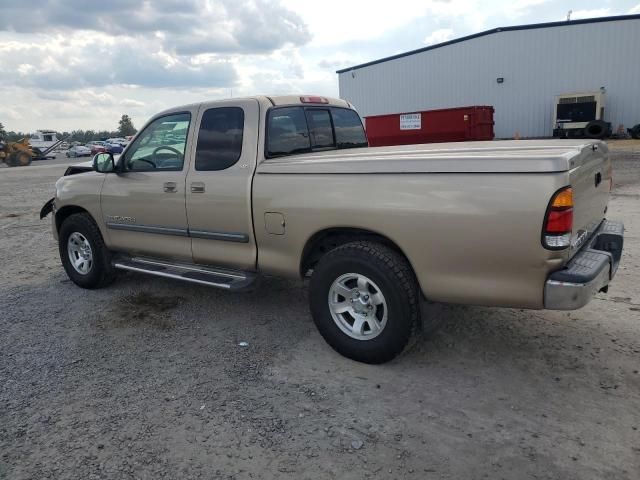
x: 536, y: 65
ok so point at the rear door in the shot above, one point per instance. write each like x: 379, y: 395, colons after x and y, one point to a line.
x: 143, y: 207
x: 219, y: 184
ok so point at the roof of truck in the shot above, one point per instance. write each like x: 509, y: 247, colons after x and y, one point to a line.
x: 305, y: 99
x: 273, y: 100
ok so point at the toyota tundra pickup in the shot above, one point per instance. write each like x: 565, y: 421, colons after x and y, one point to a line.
x: 222, y: 193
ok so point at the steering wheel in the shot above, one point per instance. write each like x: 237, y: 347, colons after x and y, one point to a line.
x: 146, y: 161
x: 171, y: 149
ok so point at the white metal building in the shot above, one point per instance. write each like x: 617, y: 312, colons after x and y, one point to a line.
x: 535, y: 63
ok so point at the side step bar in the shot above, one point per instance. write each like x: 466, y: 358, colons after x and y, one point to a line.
x: 212, y: 277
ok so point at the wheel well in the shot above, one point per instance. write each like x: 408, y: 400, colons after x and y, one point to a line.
x: 326, y: 240
x: 66, y: 212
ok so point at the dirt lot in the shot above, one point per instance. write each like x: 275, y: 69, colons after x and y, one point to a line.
x: 145, y: 379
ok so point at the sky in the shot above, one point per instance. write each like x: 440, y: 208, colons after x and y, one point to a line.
x: 81, y: 64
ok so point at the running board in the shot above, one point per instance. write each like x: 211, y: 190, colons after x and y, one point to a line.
x: 212, y: 277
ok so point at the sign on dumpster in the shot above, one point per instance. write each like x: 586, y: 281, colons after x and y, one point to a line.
x: 410, y: 121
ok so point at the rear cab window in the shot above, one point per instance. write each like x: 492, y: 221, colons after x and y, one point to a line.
x: 219, y: 138
x: 300, y: 129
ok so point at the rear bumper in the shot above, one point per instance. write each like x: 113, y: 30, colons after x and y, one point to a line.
x: 588, y: 272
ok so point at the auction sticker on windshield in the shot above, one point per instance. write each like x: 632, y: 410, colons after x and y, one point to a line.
x: 411, y: 121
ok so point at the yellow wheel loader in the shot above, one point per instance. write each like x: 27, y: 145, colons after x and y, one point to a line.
x: 16, y: 154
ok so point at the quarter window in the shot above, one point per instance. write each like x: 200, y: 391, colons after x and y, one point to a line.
x: 220, y: 138
x: 348, y: 128
x: 288, y: 132
x: 161, y: 145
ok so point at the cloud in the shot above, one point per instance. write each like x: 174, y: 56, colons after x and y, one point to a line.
x: 521, y: 8
x: 635, y: 9
x: 335, y: 64
x: 129, y: 102
x: 595, y: 12
x: 188, y: 27
x: 439, y: 36
x: 91, y: 63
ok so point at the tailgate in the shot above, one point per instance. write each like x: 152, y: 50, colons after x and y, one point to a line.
x: 590, y: 178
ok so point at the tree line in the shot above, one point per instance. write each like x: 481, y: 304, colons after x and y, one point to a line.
x: 125, y: 128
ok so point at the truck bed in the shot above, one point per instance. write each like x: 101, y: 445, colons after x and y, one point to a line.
x: 468, y: 216
x: 511, y: 156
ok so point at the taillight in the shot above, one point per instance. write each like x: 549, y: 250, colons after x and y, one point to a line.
x: 313, y: 100
x: 558, y: 223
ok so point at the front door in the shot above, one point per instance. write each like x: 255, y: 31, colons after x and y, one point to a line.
x: 144, y: 205
x: 219, y: 185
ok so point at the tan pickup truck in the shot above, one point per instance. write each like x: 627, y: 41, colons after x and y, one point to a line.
x: 220, y: 193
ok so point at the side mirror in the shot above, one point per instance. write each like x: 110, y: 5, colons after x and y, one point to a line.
x: 104, y: 163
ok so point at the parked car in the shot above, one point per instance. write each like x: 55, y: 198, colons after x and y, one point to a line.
x: 510, y: 224
x: 114, y: 148
x: 96, y: 146
x: 78, y: 151
x: 119, y: 140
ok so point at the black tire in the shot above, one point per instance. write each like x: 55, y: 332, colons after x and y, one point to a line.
x: 392, y: 274
x: 101, y: 272
x: 23, y: 159
x: 596, y: 129
x: 635, y: 132
x: 12, y: 160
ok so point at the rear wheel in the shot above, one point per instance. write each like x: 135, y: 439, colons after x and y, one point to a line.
x: 84, y: 255
x: 365, y: 301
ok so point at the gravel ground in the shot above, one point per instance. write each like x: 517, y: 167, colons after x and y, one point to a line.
x: 145, y: 379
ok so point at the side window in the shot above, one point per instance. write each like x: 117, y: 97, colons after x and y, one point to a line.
x: 48, y: 138
x: 320, y: 128
x: 220, y: 138
x: 287, y: 132
x: 348, y: 127
x: 161, y: 145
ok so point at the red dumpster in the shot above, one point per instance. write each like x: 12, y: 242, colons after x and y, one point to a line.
x: 431, y: 126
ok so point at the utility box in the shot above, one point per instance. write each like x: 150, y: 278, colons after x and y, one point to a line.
x: 431, y: 126
x: 579, y: 115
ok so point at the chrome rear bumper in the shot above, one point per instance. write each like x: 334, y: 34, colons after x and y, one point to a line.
x: 588, y: 272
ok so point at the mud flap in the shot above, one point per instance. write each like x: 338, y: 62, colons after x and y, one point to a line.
x: 46, y: 209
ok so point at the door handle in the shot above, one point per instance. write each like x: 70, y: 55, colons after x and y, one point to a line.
x: 170, y: 187
x: 197, y: 187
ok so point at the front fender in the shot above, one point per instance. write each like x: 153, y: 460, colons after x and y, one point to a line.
x: 46, y: 209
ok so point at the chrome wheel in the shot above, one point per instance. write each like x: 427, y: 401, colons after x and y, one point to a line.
x: 357, y: 306
x: 80, y: 254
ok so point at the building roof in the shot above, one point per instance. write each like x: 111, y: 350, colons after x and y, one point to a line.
x: 531, y: 26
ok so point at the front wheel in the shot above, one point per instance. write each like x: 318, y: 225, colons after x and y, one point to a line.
x: 365, y: 301
x: 84, y: 255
